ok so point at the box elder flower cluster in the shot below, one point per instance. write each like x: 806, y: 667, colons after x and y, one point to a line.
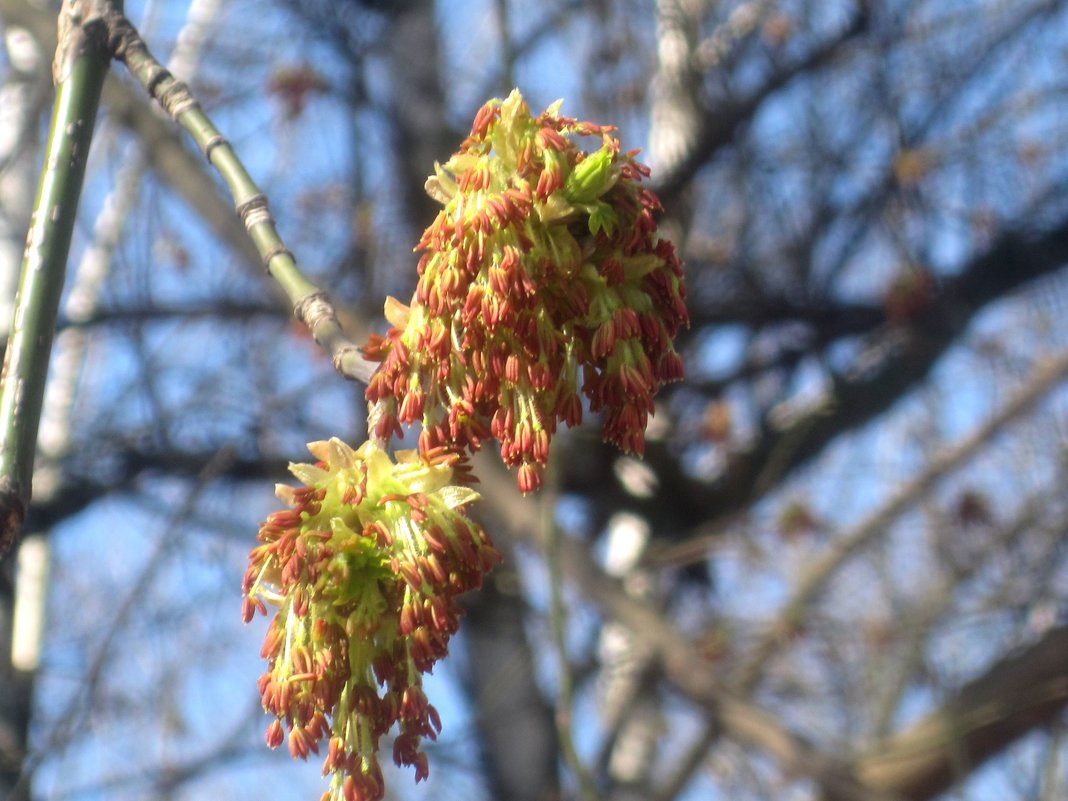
x: 542, y: 278
x: 543, y: 288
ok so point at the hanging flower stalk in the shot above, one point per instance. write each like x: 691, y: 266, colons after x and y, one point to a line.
x: 364, y: 569
x: 542, y: 280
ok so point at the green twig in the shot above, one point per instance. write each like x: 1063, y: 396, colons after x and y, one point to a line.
x: 79, y: 68
x: 90, y: 33
x: 558, y: 619
x: 310, y: 304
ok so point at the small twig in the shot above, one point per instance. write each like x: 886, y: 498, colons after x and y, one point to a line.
x: 81, y: 703
x: 690, y: 762
x: 815, y: 576
x: 80, y: 64
x: 310, y: 304
x: 683, y: 666
x: 550, y: 535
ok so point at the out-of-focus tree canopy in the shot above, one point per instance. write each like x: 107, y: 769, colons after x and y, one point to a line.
x: 841, y: 571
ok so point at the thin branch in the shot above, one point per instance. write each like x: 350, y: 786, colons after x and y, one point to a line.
x: 228, y: 309
x: 550, y: 533
x: 310, y: 304
x: 690, y: 762
x: 230, y: 747
x: 681, y: 662
x: 504, y: 36
x: 71, y: 720
x: 919, y: 619
x: 1012, y: 698
x: 80, y: 65
x: 815, y: 576
x: 79, y: 489
x: 722, y: 123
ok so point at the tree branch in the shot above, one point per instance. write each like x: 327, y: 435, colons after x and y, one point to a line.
x: 1012, y: 698
x: 722, y: 123
x: 310, y: 304
x: 815, y: 576
x: 81, y: 63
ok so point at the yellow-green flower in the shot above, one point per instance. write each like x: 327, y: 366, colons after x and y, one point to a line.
x: 542, y: 279
x: 364, y: 569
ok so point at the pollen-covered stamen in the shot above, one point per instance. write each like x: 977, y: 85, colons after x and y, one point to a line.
x: 529, y: 477
x: 483, y: 119
x: 542, y: 273
x: 550, y: 180
x: 362, y: 597
x: 549, y: 138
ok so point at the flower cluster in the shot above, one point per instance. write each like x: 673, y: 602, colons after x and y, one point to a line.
x: 545, y: 259
x: 364, y: 567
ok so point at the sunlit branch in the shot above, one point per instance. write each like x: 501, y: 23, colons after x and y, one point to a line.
x: 678, y: 658
x: 80, y: 66
x: 1014, y: 697
x: 916, y: 624
x: 815, y: 576
x: 551, y: 535
x: 310, y: 304
x: 921, y: 617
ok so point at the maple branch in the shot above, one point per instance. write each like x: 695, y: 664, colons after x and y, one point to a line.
x: 81, y: 62
x: 815, y: 576
x: 1012, y: 698
x: 310, y: 304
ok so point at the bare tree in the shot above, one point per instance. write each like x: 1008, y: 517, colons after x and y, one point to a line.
x: 840, y: 570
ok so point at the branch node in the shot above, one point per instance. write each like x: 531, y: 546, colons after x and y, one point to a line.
x: 344, y: 354
x: 81, y: 23
x: 313, y: 309
x: 216, y: 141
x: 254, y: 212
x: 157, y: 75
x: 275, y: 250
x: 176, y: 98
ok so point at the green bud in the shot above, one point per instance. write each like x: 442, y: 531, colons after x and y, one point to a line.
x: 592, y: 177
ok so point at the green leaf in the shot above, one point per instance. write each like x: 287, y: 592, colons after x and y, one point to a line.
x: 592, y: 177
x: 602, y: 217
